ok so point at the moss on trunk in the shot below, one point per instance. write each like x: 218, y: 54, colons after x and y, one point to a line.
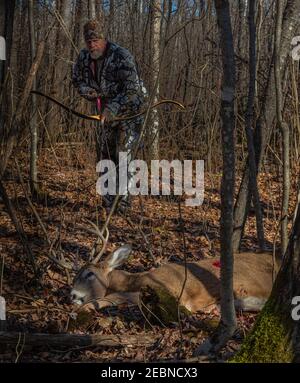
x: 269, y: 340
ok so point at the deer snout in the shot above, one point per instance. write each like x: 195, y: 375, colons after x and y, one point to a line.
x: 77, y: 297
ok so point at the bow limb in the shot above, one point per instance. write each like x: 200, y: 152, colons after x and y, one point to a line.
x: 98, y: 117
x: 126, y: 118
x: 68, y: 109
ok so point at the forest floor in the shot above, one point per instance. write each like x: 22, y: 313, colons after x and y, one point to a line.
x: 69, y: 180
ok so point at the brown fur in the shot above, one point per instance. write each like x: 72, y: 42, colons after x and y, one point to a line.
x: 252, y: 279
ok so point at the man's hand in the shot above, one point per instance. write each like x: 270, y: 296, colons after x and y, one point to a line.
x: 106, y: 117
x: 91, y: 95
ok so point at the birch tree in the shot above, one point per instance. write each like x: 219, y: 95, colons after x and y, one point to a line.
x: 92, y: 9
x: 156, y: 28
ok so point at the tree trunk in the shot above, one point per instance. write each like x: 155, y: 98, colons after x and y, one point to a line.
x: 264, y: 123
x: 249, y: 123
x: 2, y: 25
x: 92, y: 9
x: 7, y: 10
x: 284, y: 131
x: 227, y: 324
x: 62, y: 67
x: 155, y: 125
x: 275, y: 337
x: 17, y: 120
x: 112, y: 10
x: 33, y: 123
x: 240, y: 30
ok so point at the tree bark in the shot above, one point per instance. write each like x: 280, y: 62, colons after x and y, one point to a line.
x: 33, y: 122
x: 275, y: 337
x: 227, y: 324
x: 155, y: 124
x: 7, y: 9
x: 62, y: 67
x: 92, y: 9
x: 284, y: 130
x: 16, y: 125
x: 264, y: 123
x: 248, y: 125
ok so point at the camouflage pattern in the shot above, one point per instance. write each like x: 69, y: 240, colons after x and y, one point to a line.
x: 93, y: 29
x: 115, y: 79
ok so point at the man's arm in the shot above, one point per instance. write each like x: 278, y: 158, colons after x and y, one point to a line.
x: 79, y: 82
x: 131, y: 96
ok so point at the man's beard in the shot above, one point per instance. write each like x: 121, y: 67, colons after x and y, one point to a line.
x: 96, y: 54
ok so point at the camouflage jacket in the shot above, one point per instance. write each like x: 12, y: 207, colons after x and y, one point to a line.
x: 115, y: 79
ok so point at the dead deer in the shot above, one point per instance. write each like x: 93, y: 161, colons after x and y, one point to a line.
x: 103, y: 284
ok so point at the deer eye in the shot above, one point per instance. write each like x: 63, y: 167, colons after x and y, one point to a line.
x: 90, y: 275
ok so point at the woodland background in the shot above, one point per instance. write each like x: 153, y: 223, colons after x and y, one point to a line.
x: 47, y: 159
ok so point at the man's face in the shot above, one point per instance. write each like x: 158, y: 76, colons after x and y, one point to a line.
x: 96, y: 47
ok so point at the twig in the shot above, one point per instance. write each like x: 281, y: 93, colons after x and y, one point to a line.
x: 52, y: 256
x: 142, y: 234
x: 19, y: 353
x: 182, y: 229
x: 11, y: 211
x: 1, y: 274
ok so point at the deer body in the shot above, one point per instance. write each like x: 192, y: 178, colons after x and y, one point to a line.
x: 252, y: 281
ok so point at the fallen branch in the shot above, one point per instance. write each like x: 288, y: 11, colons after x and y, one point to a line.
x: 75, y: 340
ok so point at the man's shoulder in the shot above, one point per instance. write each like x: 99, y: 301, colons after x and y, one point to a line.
x: 83, y: 54
x: 119, y: 51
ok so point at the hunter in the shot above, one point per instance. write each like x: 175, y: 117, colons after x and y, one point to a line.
x: 106, y: 74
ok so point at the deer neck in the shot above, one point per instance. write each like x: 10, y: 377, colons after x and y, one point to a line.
x: 124, y: 281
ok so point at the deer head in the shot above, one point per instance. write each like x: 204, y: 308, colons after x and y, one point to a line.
x: 92, y: 281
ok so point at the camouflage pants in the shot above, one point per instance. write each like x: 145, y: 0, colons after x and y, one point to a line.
x: 112, y: 139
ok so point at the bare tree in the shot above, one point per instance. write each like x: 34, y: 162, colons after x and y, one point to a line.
x: 7, y: 10
x: 264, y: 123
x: 283, y: 127
x: 275, y: 337
x: 92, y: 9
x: 249, y: 118
x: 33, y: 123
x: 156, y: 41
x: 17, y: 118
x: 227, y: 324
x: 61, y: 68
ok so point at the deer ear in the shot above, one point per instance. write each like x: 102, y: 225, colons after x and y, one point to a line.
x: 119, y: 256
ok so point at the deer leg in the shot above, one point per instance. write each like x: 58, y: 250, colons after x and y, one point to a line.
x: 115, y: 299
